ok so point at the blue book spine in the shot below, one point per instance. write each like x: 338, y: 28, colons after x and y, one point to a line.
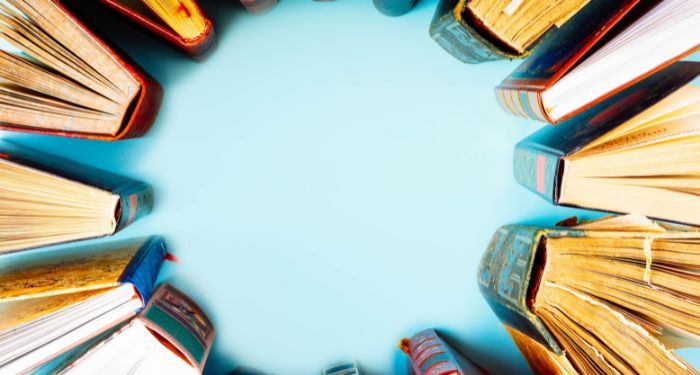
x: 538, y: 169
x: 143, y: 270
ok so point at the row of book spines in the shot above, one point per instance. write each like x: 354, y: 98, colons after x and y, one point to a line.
x: 522, y: 103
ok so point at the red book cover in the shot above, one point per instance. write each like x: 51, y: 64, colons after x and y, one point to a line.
x: 521, y: 92
x: 143, y: 109
x: 194, y: 47
x: 429, y: 354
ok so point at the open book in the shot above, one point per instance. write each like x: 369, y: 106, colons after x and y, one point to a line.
x: 52, y: 301
x: 57, y: 77
x: 45, y: 199
x: 603, y: 49
x: 172, y: 335
x: 613, y: 296
x: 636, y: 152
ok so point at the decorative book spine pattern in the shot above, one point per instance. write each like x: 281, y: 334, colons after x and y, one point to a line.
x: 143, y: 269
x: 537, y: 168
x: 459, y: 39
x: 182, y: 322
x: 136, y: 201
x: 523, y: 103
x: 504, y: 277
x: 429, y: 354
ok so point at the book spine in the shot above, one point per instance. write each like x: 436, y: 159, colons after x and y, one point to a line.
x: 538, y: 168
x: 182, y: 322
x: 143, y: 270
x: 504, y: 277
x: 394, y: 8
x: 460, y: 40
x: 135, y: 201
x: 429, y: 354
x: 522, y: 103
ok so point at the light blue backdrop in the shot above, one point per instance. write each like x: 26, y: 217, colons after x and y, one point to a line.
x: 329, y: 178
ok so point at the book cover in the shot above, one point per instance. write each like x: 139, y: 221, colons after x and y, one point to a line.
x: 430, y: 354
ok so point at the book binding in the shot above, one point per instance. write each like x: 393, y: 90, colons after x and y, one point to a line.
x: 178, y: 319
x: 454, y: 34
x: 504, y: 277
x: 143, y: 269
x: 430, y: 354
x: 537, y: 168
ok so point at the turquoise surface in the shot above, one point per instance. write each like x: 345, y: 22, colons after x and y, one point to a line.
x: 329, y: 179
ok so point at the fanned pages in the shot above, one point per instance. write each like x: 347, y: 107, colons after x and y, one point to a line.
x: 180, y: 22
x: 476, y: 31
x: 602, y: 50
x: 53, y: 301
x: 634, y: 153
x: 172, y: 335
x: 429, y: 354
x: 47, y: 200
x: 56, y: 77
x: 615, y: 296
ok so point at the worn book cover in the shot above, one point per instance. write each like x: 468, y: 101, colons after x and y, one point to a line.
x: 606, y: 296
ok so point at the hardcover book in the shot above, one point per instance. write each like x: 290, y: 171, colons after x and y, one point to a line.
x: 182, y: 23
x: 394, y: 8
x: 59, y: 78
x: 635, y: 152
x: 601, y: 51
x: 172, y: 335
x: 258, y: 6
x: 45, y: 199
x: 53, y: 301
x: 429, y: 354
x: 476, y: 31
x: 612, y: 296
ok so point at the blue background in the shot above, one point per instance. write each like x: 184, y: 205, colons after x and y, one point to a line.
x: 329, y: 178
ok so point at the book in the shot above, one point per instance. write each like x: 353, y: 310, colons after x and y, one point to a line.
x: 244, y: 370
x: 59, y: 78
x: 429, y: 354
x: 182, y: 23
x: 53, y: 301
x: 635, y: 152
x: 610, y: 296
x: 394, y: 8
x: 46, y: 199
x: 258, y: 6
x: 476, y: 31
x: 601, y: 51
x: 172, y: 335
x: 342, y: 368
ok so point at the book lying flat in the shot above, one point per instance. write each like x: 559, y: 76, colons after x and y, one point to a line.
x: 429, y: 354
x: 635, y: 152
x: 613, y: 296
x: 53, y: 301
x: 182, y: 23
x: 258, y: 6
x: 45, y: 199
x: 476, y: 31
x: 172, y: 335
x: 59, y: 78
x: 394, y: 8
x: 602, y: 50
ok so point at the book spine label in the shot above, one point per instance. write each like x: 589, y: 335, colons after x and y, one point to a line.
x: 504, y: 276
x: 143, y: 270
x: 136, y: 201
x: 459, y: 39
x: 537, y: 169
x: 182, y: 322
x: 522, y: 103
